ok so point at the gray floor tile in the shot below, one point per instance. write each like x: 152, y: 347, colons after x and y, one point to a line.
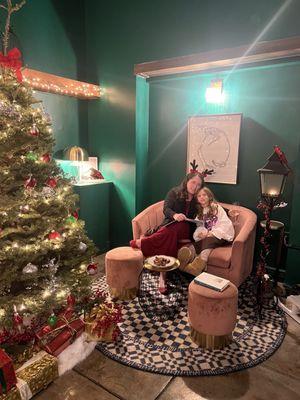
x: 73, y: 386
x: 257, y: 383
x: 123, y: 381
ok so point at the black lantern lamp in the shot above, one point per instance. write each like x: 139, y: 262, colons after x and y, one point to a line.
x: 273, y: 177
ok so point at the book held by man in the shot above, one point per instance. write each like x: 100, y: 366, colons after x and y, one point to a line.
x: 211, y: 281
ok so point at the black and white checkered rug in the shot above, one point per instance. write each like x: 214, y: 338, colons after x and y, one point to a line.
x: 164, y: 346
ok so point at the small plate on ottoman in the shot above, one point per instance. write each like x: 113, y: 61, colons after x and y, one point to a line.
x: 161, y: 263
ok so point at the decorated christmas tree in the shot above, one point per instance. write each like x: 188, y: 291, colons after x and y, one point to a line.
x: 44, y: 251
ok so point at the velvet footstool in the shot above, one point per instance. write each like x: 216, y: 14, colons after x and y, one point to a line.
x: 123, y: 266
x: 212, y: 315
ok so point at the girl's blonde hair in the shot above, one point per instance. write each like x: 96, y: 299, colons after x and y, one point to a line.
x: 212, y: 206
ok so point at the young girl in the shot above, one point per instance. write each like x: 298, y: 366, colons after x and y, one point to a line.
x: 215, y: 229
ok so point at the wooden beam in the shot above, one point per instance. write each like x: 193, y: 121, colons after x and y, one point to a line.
x: 45, y: 82
x: 261, y: 52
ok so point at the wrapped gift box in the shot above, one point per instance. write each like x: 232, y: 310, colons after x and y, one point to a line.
x: 36, y: 374
x: 7, y: 373
x: 54, y: 341
x: 101, y: 323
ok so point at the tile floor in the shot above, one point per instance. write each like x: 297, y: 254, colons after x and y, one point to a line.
x: 100, y: 378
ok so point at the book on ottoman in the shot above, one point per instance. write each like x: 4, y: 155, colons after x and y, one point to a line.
x: 212, y: 281
x: 35, y: 375
x: 55, y: 340
x: 7, y: 373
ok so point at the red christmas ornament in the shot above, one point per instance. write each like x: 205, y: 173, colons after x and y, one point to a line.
x: 46, y: 158
x: 18, y: 320
x: 71, y: 300
x: 92, y: 269
x: 34, y: 131
x: 54, y: 235
x: 30, y: 183
x: 96, y: 174
x: 52, y: 182
x: 75, y: 214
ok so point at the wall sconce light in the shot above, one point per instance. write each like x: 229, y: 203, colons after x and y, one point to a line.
x: 214, y: 93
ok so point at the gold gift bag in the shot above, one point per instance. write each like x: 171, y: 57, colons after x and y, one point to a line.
x: 96, y: 315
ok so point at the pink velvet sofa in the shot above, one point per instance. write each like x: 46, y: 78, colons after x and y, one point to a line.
x: 233, y: 262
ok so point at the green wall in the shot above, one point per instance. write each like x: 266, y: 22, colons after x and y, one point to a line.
x: 100, y: 42
x: 50, y: 35
x: 121, y: 34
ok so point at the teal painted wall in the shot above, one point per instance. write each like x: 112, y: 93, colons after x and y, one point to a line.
x: 120, y: 35
x: 50, y: 35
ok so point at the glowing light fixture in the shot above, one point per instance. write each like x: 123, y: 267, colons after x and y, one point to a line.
x: 214, y: 93
x: 273, y: 176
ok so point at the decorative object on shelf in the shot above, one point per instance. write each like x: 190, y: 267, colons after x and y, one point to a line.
x: 76, y: 163
x: 7, y: 373
x: 76, y: 153
x: 272, y: 176
x: 95, y: 174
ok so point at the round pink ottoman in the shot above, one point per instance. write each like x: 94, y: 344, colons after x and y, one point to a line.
x: 123, y: 266
x: 212, y: 315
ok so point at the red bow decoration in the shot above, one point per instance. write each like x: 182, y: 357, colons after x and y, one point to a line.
x: 12, y: 60
x: 281, y: 155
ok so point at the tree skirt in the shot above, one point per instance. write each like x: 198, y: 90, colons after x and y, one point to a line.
x: 164, y: 346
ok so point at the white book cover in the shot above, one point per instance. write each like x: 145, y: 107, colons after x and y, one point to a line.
x: 212, y: 281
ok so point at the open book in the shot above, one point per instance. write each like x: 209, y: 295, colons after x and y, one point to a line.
x: 212, y: 281
x: 195, y: 221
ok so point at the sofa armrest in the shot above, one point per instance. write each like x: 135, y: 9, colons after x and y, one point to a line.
x: 242, y: 255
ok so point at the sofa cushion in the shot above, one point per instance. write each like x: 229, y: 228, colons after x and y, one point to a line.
x: 220, y: 257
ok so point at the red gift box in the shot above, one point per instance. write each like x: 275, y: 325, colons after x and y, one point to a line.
x: 7, y: 373
x: 55, y: 340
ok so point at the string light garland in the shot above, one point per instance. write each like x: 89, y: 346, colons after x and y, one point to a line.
x: 56, y: 84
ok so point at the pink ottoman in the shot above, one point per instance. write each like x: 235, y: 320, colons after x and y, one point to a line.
x: 123, y: 266
x: 212, y: 315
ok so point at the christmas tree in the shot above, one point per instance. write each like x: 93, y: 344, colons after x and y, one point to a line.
x: 44, y: 251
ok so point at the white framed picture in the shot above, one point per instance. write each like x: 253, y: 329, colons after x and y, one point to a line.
x: 213, y: 141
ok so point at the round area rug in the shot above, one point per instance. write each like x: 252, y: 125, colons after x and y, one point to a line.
x: 164, y: 346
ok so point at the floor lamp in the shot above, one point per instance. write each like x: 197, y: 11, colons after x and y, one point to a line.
x: 272, y: 178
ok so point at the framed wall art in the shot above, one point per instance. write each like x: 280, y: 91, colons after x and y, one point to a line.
x: 213, y: 141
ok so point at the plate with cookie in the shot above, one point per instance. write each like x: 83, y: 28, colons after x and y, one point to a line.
x: 161, y: 261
